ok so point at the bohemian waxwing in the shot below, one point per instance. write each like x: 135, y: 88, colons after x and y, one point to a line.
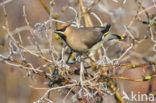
x: 86, y: 39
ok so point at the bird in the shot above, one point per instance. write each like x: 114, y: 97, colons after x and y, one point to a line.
x: 86, y: 39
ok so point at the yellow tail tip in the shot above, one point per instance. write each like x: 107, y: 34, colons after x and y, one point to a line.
x: 122, y: 38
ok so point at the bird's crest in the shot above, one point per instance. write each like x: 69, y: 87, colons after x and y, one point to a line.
x: 63, y: 27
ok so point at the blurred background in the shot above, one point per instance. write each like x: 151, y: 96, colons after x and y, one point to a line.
x: 15, y: 85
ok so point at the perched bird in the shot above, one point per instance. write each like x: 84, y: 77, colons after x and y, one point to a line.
x: 86, y: 39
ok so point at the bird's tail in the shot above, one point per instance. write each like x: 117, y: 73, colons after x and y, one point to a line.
x: 118, y: 37
x: 113, y: 36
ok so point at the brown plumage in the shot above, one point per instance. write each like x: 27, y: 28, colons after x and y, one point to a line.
x: 84, y: 38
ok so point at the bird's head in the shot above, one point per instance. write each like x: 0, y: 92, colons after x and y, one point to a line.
x: 63, y: 31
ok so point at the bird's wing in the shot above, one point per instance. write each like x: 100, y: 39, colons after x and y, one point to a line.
x: 103, y: 29
x: 90, y: 37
